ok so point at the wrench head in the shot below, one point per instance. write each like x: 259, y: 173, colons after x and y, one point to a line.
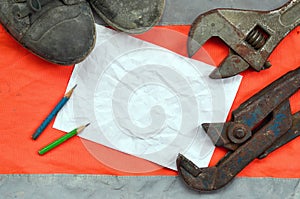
x: 232, y: 65
x: 199, y: 179
x: 202, y: 29
x: 250, y: 35
x: 242, y: 31
x: 215, y: 24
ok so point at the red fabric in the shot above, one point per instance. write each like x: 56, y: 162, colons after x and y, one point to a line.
x: 30, y: 87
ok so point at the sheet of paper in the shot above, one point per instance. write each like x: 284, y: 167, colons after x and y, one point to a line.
x: 145, y: 100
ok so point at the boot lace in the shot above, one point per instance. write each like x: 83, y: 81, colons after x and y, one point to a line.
x: 30, y: 7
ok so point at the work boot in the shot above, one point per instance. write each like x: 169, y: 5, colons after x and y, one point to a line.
x: 60, y: 31
x: 131, y: 16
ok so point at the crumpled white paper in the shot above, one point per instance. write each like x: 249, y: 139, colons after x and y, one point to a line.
x: 145, y: 100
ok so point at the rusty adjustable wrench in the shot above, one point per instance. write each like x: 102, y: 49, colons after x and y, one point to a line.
x: 250, y: 35
x: 258, y: 126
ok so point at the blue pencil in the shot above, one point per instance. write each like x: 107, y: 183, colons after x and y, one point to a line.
x: 48, y: 119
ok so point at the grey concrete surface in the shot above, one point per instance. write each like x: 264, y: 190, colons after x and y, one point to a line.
x: 135, y: 187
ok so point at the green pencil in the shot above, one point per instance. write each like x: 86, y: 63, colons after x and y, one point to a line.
x: 62, y: 139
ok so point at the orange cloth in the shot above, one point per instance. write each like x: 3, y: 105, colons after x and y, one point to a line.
x: 30, y: 87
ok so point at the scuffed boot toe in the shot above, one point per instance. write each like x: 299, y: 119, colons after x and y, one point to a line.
x: 67, y: 40
x: 59, y: 31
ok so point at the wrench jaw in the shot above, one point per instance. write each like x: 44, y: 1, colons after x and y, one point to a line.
x: 192, y: 45
x: 232, y: 65
x: 207, y: 179
x: 199, y: 179
x: 212, y: 24
x: 204, y: 27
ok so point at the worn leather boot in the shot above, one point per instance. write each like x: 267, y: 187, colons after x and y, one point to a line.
x: 60, y: 31
x: 131, y: 16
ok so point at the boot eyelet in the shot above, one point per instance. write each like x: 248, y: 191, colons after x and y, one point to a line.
x: 35, y: 5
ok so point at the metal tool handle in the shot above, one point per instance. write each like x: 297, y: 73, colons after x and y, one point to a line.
x: 292, y: 133
x: 289, y: 13
x: 262, y: 103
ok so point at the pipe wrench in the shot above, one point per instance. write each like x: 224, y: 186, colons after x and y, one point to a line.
x: 258, y: 126
x: 250, y: 35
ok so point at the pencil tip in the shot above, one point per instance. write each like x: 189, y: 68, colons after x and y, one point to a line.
x: 81, y: 128
x: 69, y: 93
x: 74, y: 86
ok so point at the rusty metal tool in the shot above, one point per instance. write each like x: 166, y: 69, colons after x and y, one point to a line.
x: 258, y: 126
x: 250, y: 35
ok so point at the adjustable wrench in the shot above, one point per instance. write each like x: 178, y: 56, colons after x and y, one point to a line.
x: 250, y: 35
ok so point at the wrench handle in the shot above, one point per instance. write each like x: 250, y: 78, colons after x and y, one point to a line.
x: 290, y: 14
